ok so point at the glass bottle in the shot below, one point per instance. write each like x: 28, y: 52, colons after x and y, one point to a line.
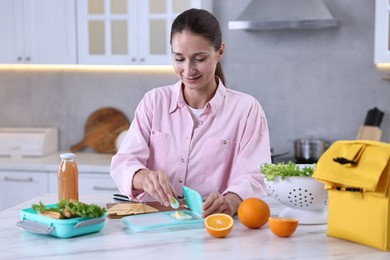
x: 68, y: 178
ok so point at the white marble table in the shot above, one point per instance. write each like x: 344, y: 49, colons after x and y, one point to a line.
x: 115, y: 241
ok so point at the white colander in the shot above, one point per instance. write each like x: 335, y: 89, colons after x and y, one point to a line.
x: 305, y: 198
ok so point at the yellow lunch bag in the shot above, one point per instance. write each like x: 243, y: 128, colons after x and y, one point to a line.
x: 356, y: 175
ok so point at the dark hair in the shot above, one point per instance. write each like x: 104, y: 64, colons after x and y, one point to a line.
x: 201, y: 22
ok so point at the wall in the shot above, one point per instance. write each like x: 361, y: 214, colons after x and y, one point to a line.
x: 318, y: 83
x: 310, y: 83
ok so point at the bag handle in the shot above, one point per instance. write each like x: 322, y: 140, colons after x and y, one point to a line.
x: 342, y: 161
x: 350, y: 154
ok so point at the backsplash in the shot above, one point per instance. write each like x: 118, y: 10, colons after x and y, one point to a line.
x: 65, y: 99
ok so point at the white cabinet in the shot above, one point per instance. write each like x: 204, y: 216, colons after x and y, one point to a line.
x: 382, y: 31
x: 38, y: 32
x: 128, y: 32
x: 89, y: 183
x: 19, y: 186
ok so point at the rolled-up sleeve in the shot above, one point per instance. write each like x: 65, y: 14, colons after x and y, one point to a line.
x: 133, y: 152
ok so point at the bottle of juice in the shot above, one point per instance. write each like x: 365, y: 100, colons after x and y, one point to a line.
x: 68, y: 178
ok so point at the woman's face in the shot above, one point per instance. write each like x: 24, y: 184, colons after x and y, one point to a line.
x: 195, y: 60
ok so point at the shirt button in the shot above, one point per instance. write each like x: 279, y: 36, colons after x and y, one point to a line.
x: 224, y: 142
x: 153, y: 132
x: 182, y: 160
x: 200, y: 123
x: 180, y: 181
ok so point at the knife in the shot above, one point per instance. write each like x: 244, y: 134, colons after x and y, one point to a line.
x: 120, y: 197
x: 374, y: 117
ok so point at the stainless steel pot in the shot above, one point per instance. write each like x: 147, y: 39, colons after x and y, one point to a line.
x: 309, y: 150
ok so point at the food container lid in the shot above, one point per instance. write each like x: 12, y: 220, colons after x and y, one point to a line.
x: 67, y: 155
x: 193, y: 200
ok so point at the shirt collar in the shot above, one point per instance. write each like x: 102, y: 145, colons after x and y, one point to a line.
x: 177, y: 99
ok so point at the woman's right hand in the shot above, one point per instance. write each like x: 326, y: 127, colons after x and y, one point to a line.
x: 156, y: 184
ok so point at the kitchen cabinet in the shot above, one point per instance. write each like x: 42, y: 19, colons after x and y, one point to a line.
x: 27, y: 177
x: 128, y: 32
x: 89, y: 183
x: 19, y: 186
x: 382, y: 31
x: 38, y: 32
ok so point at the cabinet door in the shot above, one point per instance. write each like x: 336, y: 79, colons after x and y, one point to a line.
x: 107, y: 31
x: 96, y: 184
x: 128, y: 32
x: 155, y: 20
x: 89, y: 183
x: 50, y: 27
x: 382, y: 31
x: 16, y: 187
x: 38, y: 32
x: 11, y: 31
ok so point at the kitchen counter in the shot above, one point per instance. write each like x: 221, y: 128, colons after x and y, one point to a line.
x: 115, y: 241
x: 86, y: 162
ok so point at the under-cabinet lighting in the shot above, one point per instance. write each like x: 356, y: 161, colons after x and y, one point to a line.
x: 91, y: 68
x: 383, y: 66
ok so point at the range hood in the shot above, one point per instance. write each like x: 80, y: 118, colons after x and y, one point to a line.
x: 284, y: 14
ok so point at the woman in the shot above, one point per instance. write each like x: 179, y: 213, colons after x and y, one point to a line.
x: 196, y: 132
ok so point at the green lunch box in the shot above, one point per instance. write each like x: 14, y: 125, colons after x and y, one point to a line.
x: 31, y: 221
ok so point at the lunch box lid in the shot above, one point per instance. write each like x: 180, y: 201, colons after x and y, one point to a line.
x: 193, y: 200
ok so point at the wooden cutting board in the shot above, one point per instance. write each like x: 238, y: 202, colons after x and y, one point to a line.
x: 101, y: 130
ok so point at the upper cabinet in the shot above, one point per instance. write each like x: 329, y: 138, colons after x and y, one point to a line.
x: 128, y: 32
x: 118, y: 32
x: 38, y: 32
x: 382, y: 31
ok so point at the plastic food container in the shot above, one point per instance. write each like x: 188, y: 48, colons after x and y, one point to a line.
x: 31, y: 221
x: 160, y: 220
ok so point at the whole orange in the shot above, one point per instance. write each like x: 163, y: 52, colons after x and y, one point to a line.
x: 282, y: 227
x: 253, y: 213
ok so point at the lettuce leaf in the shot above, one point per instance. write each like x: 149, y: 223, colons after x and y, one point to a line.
x: 282, y: 170
x: 72, y: 209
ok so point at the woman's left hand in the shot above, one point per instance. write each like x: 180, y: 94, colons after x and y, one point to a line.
x: 217, y: 203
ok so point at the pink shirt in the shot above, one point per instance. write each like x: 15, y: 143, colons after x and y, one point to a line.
x: 219, y: 154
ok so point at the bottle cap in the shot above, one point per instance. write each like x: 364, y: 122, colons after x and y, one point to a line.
x: 67, y: 155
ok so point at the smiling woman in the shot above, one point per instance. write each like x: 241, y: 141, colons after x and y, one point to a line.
x: 195, y: 132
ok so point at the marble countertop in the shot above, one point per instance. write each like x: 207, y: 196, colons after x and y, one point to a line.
x: 86, y: 162
x: 115, y: 241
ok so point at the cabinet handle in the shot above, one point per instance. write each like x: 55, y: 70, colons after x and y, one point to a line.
x: 19, y: 58
x: 29, y: 179
x: 104, y: 188
x: 142, y: 59
x: 28, y: 59
x: 133, y: 59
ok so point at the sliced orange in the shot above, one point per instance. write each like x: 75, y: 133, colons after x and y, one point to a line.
x: 218, y: 225
x: 282, y: 227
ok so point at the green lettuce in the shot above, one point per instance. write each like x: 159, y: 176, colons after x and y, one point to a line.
x: 72, y: 209
x: 282, y: 170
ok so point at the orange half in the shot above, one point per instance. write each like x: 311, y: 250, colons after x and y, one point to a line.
x: 282, y: 227
x: 219, y: 225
